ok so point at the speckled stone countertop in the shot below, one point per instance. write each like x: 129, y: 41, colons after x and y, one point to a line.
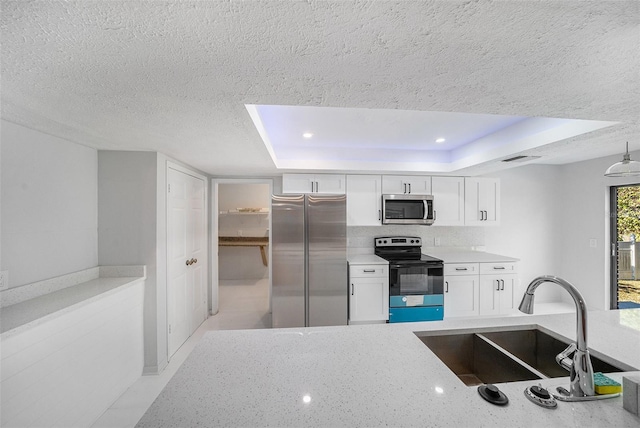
x: 366, y: 259
x: 20, y: 316
x: 452, y: 255
x: 371, y: 376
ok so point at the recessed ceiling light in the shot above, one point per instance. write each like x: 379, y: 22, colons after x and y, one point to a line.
x: 440, y: 140
x: 307, y: 135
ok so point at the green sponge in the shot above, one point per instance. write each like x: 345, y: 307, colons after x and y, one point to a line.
x: 605, y: 385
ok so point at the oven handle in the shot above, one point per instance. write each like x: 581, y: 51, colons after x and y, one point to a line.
x: 427, y: 264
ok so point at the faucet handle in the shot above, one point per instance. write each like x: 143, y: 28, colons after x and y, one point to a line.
x: 564, y: 357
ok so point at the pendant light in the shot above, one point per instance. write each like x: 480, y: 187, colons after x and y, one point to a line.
x: 624, y: 168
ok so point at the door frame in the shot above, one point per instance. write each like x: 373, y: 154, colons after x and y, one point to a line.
x: 613, y: 243
x: 213, y: 247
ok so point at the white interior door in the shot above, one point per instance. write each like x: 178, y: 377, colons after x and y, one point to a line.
x: 198, y: 249
x: 186, y: 257
x: 179, y: 293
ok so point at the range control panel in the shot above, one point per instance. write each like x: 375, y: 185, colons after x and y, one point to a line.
x: 398, y: 241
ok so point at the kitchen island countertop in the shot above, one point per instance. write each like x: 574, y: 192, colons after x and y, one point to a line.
x: 373, y: 375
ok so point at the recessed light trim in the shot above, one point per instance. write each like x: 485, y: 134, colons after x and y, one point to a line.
x: 307, y: 135
x: 440, y: 140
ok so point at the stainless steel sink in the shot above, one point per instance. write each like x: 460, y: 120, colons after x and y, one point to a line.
x: 489, y: 356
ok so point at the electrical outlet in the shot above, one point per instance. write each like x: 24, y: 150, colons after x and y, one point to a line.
x: 593, y: 243
x: 436, y: 242
x: 4, y: 280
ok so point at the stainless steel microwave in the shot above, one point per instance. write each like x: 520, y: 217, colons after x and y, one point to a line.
x: 407, y: 209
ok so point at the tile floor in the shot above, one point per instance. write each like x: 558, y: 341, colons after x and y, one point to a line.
x: 243, y: 305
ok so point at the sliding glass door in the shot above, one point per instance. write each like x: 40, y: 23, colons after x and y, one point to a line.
x: 625, y: 247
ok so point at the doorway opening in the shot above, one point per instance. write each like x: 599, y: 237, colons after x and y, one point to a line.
x: 625, y: 246
x: 242, y: 238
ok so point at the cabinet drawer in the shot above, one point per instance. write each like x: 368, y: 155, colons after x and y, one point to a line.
x: 366, y: 271
x: 498, y: 268
x: 461, y: 269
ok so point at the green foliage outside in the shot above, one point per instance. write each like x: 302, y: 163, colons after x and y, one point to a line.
x: 628, y: 212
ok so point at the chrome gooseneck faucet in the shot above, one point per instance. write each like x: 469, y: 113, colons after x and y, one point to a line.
x: 580, y: 367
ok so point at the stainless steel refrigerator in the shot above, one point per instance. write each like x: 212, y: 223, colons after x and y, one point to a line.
x: 309, y: 260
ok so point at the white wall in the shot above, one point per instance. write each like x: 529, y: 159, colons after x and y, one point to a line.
x: 128, y: 235
x: 49, y: 205
x: 584, y: 215
x: 530, y: 229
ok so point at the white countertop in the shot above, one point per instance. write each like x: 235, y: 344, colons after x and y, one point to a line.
x: 24, y: 315
x: 465, y: 256
x: 373, y: 375
x: 366, y: 259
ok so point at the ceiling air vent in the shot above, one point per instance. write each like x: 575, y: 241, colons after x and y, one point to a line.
x: 520, y: 158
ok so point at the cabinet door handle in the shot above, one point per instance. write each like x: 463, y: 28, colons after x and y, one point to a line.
x: 379, y: 215
x: 502, y: 281
x: 352, y: 289
x: 446, y: 283
x: 498, y: 267
x: 405, y: 188
x: 498, y: 281
x: 188, y: 263
x: 461, y: 268
x: 434, y: 215
x: 409, y: 187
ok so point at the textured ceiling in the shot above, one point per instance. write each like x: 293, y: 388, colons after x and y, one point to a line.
x: 174, y: 76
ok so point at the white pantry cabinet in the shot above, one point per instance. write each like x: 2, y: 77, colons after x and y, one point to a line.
x: 364, y: 200
x: 406, y: 184
x: 368, y: 293
x: 314, y: 183
x: 481, y: 201
x: 461, y: 289
x: 448, y: 200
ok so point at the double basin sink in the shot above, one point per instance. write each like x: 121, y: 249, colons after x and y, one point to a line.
x: 490, y: 356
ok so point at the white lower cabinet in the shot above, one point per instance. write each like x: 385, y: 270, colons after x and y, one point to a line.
x: 480, y: 289
x: 461, y: 290
x: 368, y: 294
x: 498, y: 288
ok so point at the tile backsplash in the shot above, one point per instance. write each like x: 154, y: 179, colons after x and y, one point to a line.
x: 360, y: 238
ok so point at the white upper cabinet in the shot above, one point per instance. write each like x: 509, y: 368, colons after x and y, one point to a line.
x: 314, y: 183
x: 364, y: 200
x: 448, y: 200
x: 482, y: 201
x: 406, y: 185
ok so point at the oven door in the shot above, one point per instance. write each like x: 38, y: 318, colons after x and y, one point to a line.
x: 415, y: 278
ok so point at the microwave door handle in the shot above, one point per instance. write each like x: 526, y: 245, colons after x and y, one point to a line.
x: 426, y: 209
